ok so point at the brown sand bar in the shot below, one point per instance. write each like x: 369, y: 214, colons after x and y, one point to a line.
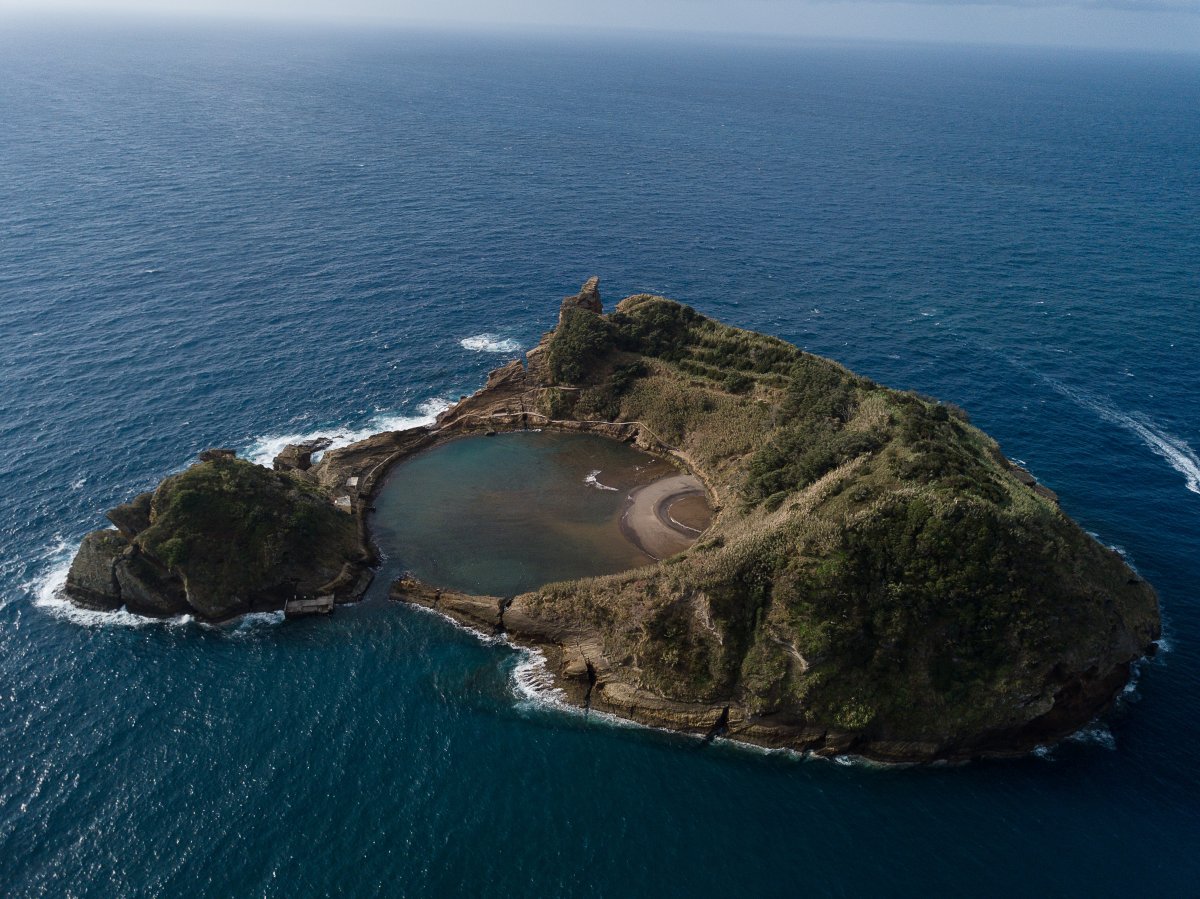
x: 648, y: 524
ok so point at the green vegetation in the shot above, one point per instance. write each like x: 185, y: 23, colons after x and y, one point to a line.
x: 579, y: 341
x: 234, y: 531
x: 876, y: 568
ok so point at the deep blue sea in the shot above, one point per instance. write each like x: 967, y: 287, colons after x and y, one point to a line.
x: 218, y: 236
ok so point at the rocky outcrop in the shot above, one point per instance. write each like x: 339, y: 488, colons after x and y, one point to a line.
x: 355, y: 470
x: 92, y: 580
x: 298, y: 456
x: 482, y: 612
x: 147, y: 588
x: 133, y: 517
x: 588, y: 298
x: 879, y: 578
x: 223, y: 538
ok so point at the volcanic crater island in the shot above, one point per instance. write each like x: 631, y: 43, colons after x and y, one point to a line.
x: 787, y: 554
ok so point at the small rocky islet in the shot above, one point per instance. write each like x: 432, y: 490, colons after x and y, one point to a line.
x: 878, y: 579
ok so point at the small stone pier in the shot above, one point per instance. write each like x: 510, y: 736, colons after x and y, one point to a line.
x: 301, y: 607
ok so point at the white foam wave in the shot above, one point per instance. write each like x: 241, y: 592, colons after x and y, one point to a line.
x: 61, y: 607
x: 532, y: 681
x: 47, y: 590
x: 262, y: 450
x: 857, y: 761
x: 679, y: 524
x: 251, y: 623
x: 1178, y: 454
x: 1095, y: 735
x: 485, y: 639
x: 591, y: 481
x: 490, y: 343
x: 47, y: 585
x: 534, y: 687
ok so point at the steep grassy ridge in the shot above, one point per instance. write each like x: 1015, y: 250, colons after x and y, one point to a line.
x: 876, y: 571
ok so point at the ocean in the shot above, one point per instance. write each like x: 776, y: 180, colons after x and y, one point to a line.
x: 219, y: 236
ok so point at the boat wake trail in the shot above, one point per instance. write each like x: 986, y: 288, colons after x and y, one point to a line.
x: 1178, y: 454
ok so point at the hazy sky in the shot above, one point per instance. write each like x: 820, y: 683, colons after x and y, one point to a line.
x: 1142, y: 24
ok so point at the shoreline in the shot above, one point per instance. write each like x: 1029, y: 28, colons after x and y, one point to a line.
x: 646, y: 522
x: 656, y: 645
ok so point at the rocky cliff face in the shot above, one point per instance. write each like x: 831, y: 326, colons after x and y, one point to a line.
x: 223, y: 538
x: 879, y: 578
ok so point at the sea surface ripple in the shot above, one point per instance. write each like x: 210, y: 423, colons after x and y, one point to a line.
x: 210, y: 237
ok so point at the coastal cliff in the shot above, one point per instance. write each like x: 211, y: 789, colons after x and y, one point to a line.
x: 222, y: 538
x: 878, y: 578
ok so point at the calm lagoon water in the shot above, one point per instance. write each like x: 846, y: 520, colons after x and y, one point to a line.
x: 504, y: 514
x: 211, y: 237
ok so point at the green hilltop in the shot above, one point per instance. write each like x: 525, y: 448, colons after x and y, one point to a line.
x: 879, y: 576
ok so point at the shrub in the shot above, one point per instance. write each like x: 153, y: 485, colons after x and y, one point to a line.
x: 656, y: 327
x: 580, y: 340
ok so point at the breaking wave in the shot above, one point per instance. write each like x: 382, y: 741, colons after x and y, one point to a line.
x: 490, y: 343
x: 592, y: 481
x: 532, y: 681
x: 47, y: 590
x: 262, y: 450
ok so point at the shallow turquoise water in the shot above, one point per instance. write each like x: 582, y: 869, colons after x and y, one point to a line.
x: 209, y: 238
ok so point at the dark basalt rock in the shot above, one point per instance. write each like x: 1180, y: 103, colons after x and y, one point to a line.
x: 148, y: 589
x: 223, y: 538
x: 298, y: 456
x: 133, y: 517
x: 92, y: 582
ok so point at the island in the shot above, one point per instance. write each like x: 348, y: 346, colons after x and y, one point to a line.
x: 877, y: 578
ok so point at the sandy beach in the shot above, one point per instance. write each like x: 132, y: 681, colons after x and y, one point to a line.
x: 649, y: 524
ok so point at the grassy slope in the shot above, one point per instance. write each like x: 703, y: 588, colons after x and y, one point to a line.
x: 876, y: 568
